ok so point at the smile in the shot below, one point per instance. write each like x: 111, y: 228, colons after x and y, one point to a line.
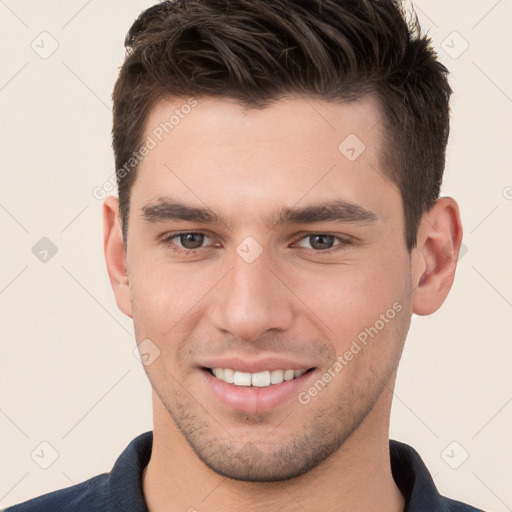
x: 259, y: 379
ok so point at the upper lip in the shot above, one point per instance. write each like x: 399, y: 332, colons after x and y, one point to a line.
x: 256, y: 365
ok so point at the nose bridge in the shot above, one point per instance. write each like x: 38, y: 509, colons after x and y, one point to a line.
x: 251, y: 300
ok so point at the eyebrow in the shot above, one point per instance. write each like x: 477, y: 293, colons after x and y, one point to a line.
x: 168, y: 209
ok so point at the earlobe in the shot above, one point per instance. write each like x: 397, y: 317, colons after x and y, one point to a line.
x: 115, y: 254
x: 435, y: 256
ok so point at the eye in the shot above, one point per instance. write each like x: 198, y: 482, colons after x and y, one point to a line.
x: 323, y: 243
x: 320, y: 241
x: 191, y: 240
x: 186, y: 241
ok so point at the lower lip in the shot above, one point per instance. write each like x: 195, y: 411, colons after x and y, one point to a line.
x: 254, y: 400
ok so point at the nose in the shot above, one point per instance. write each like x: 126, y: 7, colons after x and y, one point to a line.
x: 252, y: 299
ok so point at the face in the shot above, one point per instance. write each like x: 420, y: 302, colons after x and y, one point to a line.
x: 267, y: 244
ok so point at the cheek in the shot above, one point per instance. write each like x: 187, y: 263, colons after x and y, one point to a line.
x: 165, y: 296
x: 365, y: 312
x: 351, y: 298
x: 166, y: 304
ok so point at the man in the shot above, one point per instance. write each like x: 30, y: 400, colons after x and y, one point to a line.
x: 278, y: 223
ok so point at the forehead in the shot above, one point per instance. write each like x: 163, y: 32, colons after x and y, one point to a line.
x: 288, y: 120
x: 295, y: 149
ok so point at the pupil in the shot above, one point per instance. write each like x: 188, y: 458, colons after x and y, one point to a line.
x: 321, y: 241
x: 192, y: 240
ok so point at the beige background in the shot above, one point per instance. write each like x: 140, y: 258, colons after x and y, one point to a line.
x: 68, y: 375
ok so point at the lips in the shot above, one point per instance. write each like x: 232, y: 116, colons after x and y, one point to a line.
x: 255, y: 386
x: 257, y: 364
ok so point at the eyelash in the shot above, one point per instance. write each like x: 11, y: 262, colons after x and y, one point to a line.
x: 167, y: 241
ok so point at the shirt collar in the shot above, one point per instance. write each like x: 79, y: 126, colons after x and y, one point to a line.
x: 413, y: 479
x: 125, y: 480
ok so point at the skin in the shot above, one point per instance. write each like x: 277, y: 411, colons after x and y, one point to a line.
x: 292, y: 301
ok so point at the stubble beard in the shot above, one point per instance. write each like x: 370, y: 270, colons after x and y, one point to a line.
x: 272, y: 457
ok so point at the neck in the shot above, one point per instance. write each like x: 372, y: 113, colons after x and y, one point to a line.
x: 356, y: 477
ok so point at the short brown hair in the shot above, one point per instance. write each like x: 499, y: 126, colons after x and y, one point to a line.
x: 259, y: 51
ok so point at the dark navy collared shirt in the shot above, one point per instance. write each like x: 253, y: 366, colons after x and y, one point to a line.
x: 121, y: 489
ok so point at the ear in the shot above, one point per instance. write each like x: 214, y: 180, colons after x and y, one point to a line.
x: 434, y: 259
x: 115, y: 254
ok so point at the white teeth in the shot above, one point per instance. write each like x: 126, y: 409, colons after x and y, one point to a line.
x: 289, y: 374
x: 259, y: 379
x: 276, y: 376
x: 229, y: 375
x: 242, y: 379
